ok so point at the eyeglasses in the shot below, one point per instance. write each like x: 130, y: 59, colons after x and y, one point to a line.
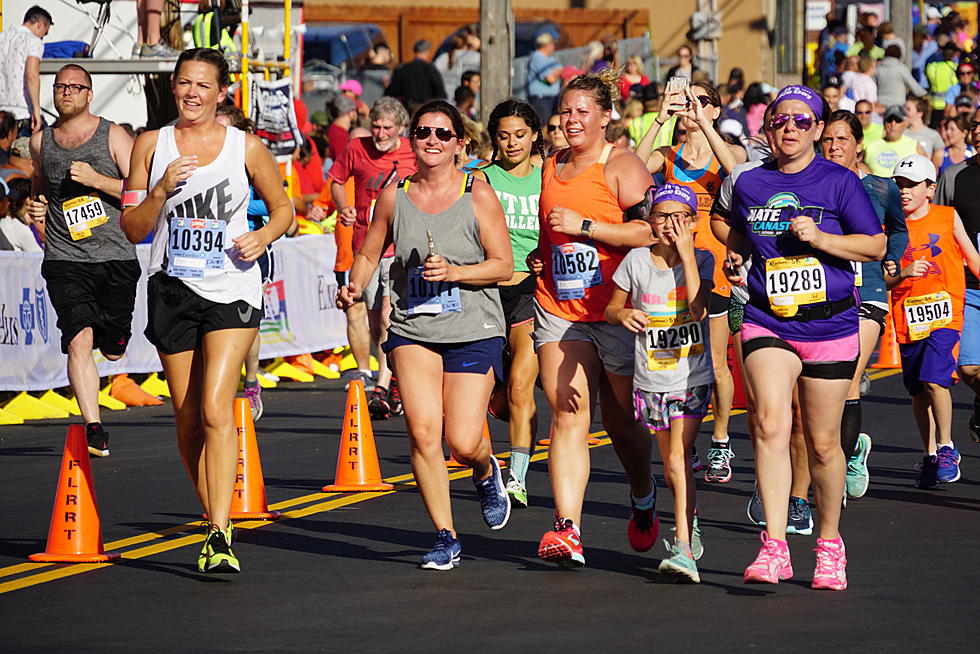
x: 661, y: 217
x: 443, y: 134
x: 803, y: 122
x: 552, y: 128
x: 73, y: 89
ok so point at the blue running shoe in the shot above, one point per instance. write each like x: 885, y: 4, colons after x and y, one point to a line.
x: 799, y: 520
x: 444, y: 554
x: 754, y: 509
x: 928, y: 473
x: 493, y: 498
x: 948, y: 469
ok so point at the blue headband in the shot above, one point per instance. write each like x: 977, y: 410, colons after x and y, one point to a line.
x: 805, y: 95
x: 677, y: 193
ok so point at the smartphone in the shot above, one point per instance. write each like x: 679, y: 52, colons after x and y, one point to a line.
x: 678, y: 84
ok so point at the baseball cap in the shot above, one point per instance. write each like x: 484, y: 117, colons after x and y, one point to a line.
x: 731, y: 127
x: 963, y: 101
x: 932, y: 12
x: 21, y: 147
x: 915, y: 168
x: 965, y: 66
x: 353, y: 86
x: 342, y: 104
x: 894, y: 111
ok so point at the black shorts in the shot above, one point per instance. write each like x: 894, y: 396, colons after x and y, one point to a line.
x: 717, y: 305
x: 98, y: 295
x: 178, y: 318
x: 868, y: 311
x: 518, y: 301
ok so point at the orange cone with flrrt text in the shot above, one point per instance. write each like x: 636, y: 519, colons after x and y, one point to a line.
x: 453, y: 463
x: 889, y: 357
x: 357, y: 461
x: 127, y: 391
x: 75, y: 534
x: 248, y: 499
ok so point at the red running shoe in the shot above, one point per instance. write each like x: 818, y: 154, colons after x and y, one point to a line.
x: 563, y: 545
x: 644, y: 526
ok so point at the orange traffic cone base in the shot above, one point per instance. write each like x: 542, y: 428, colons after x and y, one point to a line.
x: 344, y: 488
x: 44, y: 557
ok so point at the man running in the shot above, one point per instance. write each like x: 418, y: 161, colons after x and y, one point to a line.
x: 89, y: 266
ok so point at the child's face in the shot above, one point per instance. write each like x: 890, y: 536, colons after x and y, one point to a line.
x: 663, y: 216
x: 915, y: 194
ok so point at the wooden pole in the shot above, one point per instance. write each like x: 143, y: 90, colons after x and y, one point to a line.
x: 496, y: 54
x: 901, y: 19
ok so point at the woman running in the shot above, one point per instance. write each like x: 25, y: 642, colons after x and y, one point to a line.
x: 593, y: 205
x: 190, y: 182
x: 803, y: 220
x: 843, y: 143
x: 447, y: 326
x: 701, y: 163
x: 515, y: 132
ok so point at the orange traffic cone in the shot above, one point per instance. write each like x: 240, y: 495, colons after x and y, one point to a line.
x: 127, y: 391
x: 453, y: 463
x: 739, y: 398
x: 75, y: 534
x: 357, y: 461
x: 248, y: 500
x: 889, y: 357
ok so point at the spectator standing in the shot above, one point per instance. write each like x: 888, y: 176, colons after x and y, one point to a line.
x: 543, y: 76
x: 861, y: 85
x: 8, y: 132
x: 865, y: 112
x: 889, y: 38
x: 652, y: 105
x: 894, y: 79
x: 609, y: 58
x: 632, y: 75
x: 923, y: 47
x: 21, y: 50
x: 941, y: 74
x: 917, y: 112
x: 836, y: 47
x: 966, y: 83
x: 954, y: 132
x: 685, y: 64
x: 345, y: 113
x: 882, y: 155
x: 864, y: 45
x: 353, y: 90
x: 376, y: 74
x: 417, y: 81
x: 15, y: 220
x: 471, y: 79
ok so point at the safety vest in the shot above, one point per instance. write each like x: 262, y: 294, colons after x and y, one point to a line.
x: 639, y: 126
x: 941, y: 75
x: 205, y: 36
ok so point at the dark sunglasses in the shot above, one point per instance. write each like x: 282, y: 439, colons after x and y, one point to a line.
x: 964, y: 72
x: 552, y: 128
x: 974, y: 124
x: 803, y: 122
x: 443, y: 134
x: 704, y: 100
x: 862, y: 113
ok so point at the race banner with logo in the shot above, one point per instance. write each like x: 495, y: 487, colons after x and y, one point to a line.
x: 274, y: 115
x: 299, y: 316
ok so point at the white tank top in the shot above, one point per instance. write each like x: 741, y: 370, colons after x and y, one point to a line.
x: 194, y: 232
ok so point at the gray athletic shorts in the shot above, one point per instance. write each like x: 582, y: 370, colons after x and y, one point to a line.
x: 378, y: 287
x: 615, y: 344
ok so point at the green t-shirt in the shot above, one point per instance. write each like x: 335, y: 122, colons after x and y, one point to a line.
x: 881, y: 155
x: 519, y: 197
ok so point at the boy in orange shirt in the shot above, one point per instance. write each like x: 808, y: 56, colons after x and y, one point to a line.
x: 927, y: 306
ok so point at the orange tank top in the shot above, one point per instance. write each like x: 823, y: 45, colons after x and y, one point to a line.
x: 920, y: 305
x: 576, y: 283
x: 706, y: 183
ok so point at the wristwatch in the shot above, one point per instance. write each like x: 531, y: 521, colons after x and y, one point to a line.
x: 586, y: 228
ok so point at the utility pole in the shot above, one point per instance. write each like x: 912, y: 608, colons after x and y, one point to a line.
x: 496, y: 54
x: 901, y: 19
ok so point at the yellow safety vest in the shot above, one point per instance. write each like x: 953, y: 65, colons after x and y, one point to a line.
x: 203, y: 30
x: 639, y: 126
x: 941, y: 75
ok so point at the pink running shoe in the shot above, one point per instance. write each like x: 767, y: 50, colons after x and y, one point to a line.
x: 831, y: 563
x: 772, y: 564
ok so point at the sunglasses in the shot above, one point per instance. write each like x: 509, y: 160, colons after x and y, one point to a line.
x: 704, y: 100
x: 862, y: 113
x: 443, y: 134
x: 552, y: 128
x: 803, y: 122
x: 974, y: 124
x: 964, y: 72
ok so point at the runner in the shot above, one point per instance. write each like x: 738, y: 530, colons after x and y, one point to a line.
x: 927, y: 306
x: 701, y: 163
x: 190, y: 183
x: 450, y: 250
x: 581, y: 356
x: 842, y: 142
x: 515, y: 132
x: 89, y: 267
x: 801, y: 322
x: 669, y: 286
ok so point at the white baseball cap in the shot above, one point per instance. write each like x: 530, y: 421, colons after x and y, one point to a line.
x: 915, y: 168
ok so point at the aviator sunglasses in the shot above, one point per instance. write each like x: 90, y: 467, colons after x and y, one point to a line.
x: 443, y: 134
x: 803, y: 122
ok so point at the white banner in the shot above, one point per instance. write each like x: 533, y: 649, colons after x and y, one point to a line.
x: 299, y: 316
x: 275, y: 116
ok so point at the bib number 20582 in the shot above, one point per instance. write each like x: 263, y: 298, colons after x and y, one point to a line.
x: 574, y: 267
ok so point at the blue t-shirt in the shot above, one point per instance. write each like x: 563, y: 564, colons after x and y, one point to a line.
x: 764, y: 200
x: 887, y: 202
x: 538, y: 66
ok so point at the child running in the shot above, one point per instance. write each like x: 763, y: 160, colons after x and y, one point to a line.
x: 927, y: 305
x: 668, y: 285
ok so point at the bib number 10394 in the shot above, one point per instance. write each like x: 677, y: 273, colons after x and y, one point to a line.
x: 196, y: 245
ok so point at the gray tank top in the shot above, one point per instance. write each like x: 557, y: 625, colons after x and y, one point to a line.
x: 82, y: 224
x: 440, y: 312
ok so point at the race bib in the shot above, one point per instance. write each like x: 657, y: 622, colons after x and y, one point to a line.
x: 196, y: 245
x: 430, y: 297
x: 924, y: 313
x: 858, y: 268
x: 794, y: 281
x: 82, y: 214
x: 574, y: 268
x: 671, y: 338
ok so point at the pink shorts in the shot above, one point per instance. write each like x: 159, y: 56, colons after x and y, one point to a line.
x: 830, y: 359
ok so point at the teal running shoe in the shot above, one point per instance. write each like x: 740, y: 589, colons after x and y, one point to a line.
x: 857, y: 468
x: 680, y: 567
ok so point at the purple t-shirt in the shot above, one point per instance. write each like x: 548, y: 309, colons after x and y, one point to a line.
x: 764, y: 201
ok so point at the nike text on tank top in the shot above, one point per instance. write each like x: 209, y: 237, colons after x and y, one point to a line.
x: 195, y: 232
x: 706, y: 183
x: 519, y: 197
x: 576, y: 283
x: 440, y: 312
x: 82, y: 223
x: 920, y: 305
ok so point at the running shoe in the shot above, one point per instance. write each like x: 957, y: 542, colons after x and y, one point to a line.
x: 974, y: 427
x: 517, y: 492
x: 444, y: 555
x: 98, y: 439
x: 799, y: 520
x: 696, y: 464
x: 771, y: 565
x: 754, y: 510
x: 158, y: 50
x: 857, y: 468
x: 864, y: 386
x: 218, y: 556
x: 494, y: 500
x: 352, y: 375
x: 720, y: 457
x: 395, y: 399
x: 202, y: 558
x: 643, y: 526
x: 680, y: 567
x: 948, y: 469
x: 563, y: 545
x: 928, y: 473
x: 697, y: 542
x: 254, y: 396
x: 378, y: 404
x: 831, y: 565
